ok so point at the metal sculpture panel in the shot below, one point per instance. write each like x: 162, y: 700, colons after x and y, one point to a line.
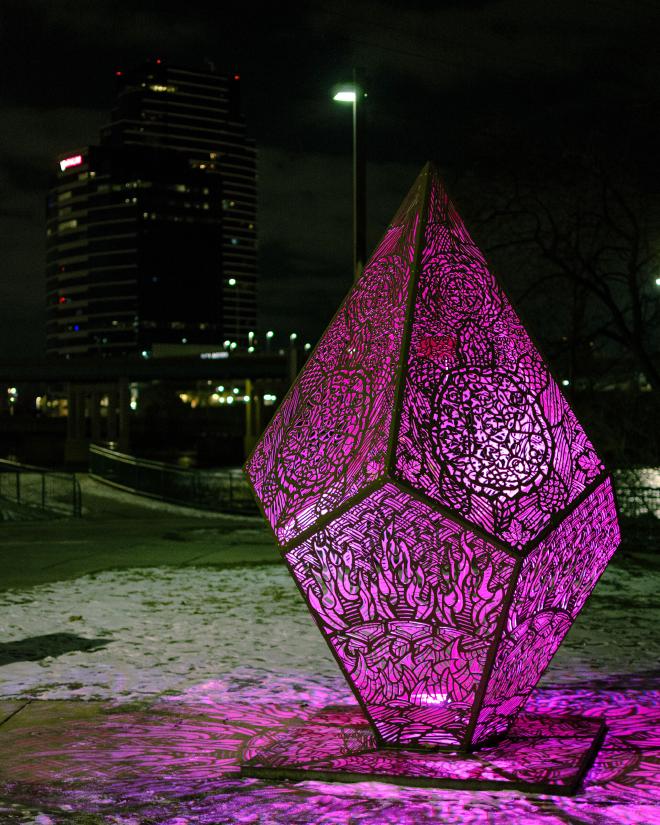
x: 408, y: 601
x: 484, y: 428
x: 329, y: 436
x: 438, y: 503
x: 555, y: 581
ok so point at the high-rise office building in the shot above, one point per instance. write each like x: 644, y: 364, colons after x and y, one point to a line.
x: 152, y: 234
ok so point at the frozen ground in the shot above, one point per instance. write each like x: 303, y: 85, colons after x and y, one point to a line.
x: 138, y: 606
x: 129, y: 634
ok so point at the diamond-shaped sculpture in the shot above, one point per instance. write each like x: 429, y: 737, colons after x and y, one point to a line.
x: 434, y: 496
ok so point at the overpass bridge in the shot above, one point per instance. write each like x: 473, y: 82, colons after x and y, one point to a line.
x: 85, y: 381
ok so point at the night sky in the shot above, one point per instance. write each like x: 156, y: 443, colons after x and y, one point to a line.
x: 480, y: 87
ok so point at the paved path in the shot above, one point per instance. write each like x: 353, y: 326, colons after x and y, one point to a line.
x: 120, y: 530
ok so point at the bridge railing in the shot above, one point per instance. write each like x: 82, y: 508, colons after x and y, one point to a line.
x: 228, y: 491
x: 224, y: 491
x: 40, y: 489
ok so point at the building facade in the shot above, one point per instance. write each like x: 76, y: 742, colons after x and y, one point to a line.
x: 152, y: 234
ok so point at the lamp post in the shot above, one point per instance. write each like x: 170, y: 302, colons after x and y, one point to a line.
x: 233, y: 283
x: 354, y: 93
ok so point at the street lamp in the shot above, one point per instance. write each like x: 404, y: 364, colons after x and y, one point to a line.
x: 233, y: 283
x: 355, y: 94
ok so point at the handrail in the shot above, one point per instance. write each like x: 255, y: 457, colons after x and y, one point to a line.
x: 224, y: 491
x: 37, y: 487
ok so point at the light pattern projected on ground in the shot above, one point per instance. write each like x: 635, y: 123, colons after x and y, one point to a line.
x: 438, y: 503
x: 178, y: 761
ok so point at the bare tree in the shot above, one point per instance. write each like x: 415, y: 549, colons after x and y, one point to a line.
x: 589, y: 232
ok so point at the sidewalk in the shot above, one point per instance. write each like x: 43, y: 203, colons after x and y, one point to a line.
x: 121, y: 530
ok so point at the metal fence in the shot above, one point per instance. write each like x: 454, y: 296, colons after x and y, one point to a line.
x: 224, y: 491
x: 39, y: 489
x: 228, y: 491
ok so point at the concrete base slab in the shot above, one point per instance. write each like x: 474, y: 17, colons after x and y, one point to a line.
x: 541, y: 754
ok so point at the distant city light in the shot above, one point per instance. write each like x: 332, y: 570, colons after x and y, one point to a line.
x: 237, y: 77
x: 158, y: 87
x: 293, y: 336
x: 565, y: 382
x: 345, y: 96
x: 250, y: 349
x: 74, y: 160
x: 308, y: 347
x: 232, y: 282
x: 144, y: 353
x: 235, y: 390
x: 657, y: 281
x: 270, y: 333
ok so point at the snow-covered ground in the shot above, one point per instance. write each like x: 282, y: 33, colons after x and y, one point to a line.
x: 238, y: 642
x: 159, y: 630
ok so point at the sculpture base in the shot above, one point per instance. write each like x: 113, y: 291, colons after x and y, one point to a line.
x: 541, y: 754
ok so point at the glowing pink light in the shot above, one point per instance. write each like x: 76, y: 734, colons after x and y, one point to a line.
x: 74, y: 160
x: 439, y: 505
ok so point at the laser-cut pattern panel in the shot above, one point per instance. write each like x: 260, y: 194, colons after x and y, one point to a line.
x: 330, y: 435
x: 555, y: 581
x: 484, y: 428
x: 409, y: 602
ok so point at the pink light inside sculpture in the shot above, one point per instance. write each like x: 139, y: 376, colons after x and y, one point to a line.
x: 438, y: 503
x: 329, y: 437
x: 409, y: 602
x: 484, y: 428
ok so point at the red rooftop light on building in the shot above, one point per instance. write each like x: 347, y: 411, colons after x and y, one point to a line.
x: 74, y: 160
x: 119, y: 73
x: 237, y: 77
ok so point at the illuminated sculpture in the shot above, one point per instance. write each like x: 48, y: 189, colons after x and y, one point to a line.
x: 434, y: 496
